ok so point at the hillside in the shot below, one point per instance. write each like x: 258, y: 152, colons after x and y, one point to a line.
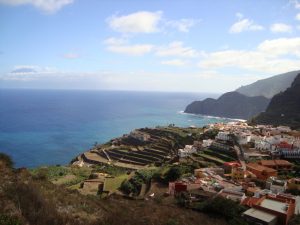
x: 270, y: 86
x: 129, y: 151
x: 27, y: 199
x: 231, y: 105
x: 284, y: 108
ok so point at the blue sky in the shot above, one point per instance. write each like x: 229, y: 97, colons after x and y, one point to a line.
x: 153, y: 45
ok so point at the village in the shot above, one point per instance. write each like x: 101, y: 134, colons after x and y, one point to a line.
x: 257, y: 167
x: 263, y: 178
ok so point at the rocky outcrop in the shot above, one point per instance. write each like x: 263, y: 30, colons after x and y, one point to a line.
x: 231, y: 105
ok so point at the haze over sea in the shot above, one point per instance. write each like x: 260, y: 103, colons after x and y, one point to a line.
x: 48, y: 127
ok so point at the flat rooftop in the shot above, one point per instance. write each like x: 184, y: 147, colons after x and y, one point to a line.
x: 274, y: 205
x: 261, y: 215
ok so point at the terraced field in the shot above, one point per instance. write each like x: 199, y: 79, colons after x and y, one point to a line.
x: 162, y: 146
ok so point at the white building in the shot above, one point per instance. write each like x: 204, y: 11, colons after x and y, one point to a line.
x: 263, y: 145
x: 224, y: 136
x: 284, y: 129
x: 243, y: 138
x: 187, y: 151
x: 207, y: 143
x: 273, y: 140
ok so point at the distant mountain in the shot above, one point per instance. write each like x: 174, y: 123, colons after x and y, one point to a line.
x: 284, y: 108
x: 270, y: 86
x: 231, y: 105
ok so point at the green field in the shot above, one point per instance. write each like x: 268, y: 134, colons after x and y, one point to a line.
x: 112, y: 184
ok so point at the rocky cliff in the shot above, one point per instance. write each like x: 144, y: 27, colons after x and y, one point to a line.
x: 284, y: 108
x: 231, y: 105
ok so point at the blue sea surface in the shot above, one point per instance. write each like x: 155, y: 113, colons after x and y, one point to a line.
x: 48, y: 127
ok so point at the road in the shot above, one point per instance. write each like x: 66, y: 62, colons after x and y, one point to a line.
x: 240, y: 155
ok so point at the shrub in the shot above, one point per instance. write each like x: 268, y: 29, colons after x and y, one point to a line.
x: 40, y: 211
x: 173, y: 174
x: 6, y: 159
x: 171, y: 222
x: 41, y: 174
x: 222, y: 207
x: 127, y: 187
x: 8, y: 220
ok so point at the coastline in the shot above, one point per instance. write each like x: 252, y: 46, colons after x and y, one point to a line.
x: 208, y: 116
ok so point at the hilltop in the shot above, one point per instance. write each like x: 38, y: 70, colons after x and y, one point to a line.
x: 270, y: 86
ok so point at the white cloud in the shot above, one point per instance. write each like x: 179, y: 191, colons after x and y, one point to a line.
x: 267, y: 58
x: 281, y: 46
x: 138, y: 22
x: 134, y: 50
x: 182, y: 25
x: 297, y: 16
x: 244, y: 24
x: 175, y: 62
x: 71, y: 55
x: 281, y: 28
x: 48, y: 6
x: 296, y: 4
x: 177, y: 49
x: 115, y: 41
x: 120, y: 45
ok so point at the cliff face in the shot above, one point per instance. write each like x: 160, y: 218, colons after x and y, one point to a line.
x: 270, y: 86
x: 231, y: 105
x: 284, y: 108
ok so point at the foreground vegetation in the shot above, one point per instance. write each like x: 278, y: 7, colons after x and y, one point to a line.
x: 29, y: 197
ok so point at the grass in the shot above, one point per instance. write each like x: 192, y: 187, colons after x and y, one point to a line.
x: 52, y: 172
x: 111, y: 170
x: 113, y: 184
x: 63, y: 175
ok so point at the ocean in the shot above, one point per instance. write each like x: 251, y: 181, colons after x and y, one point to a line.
x: 50, y: 127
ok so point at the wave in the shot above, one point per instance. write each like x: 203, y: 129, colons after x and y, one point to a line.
x: 213, y: 117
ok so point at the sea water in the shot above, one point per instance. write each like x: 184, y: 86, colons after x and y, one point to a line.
x: 49, y: 127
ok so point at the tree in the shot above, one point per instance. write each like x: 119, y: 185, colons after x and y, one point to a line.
x: 173, y: 174
x: 127, y: 187
x: 6, y: 159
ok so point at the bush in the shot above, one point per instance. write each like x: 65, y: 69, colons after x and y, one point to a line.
x: 224, y: 208
x: 40, y: 211
x: 173, y: 174
x: 134, y: 185
x: 6, y: 159
x: 8, y: 220
x: 171, y: 222
x: 127, y: 187
x: 41, y: 174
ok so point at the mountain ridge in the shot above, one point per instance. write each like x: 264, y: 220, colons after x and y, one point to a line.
x: 269, y: 87
x: 245, y: 102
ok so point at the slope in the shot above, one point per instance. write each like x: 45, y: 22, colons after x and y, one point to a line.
x: 284, y: 108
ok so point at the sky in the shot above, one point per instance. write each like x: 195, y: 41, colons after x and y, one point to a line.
x: 150, y: 45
